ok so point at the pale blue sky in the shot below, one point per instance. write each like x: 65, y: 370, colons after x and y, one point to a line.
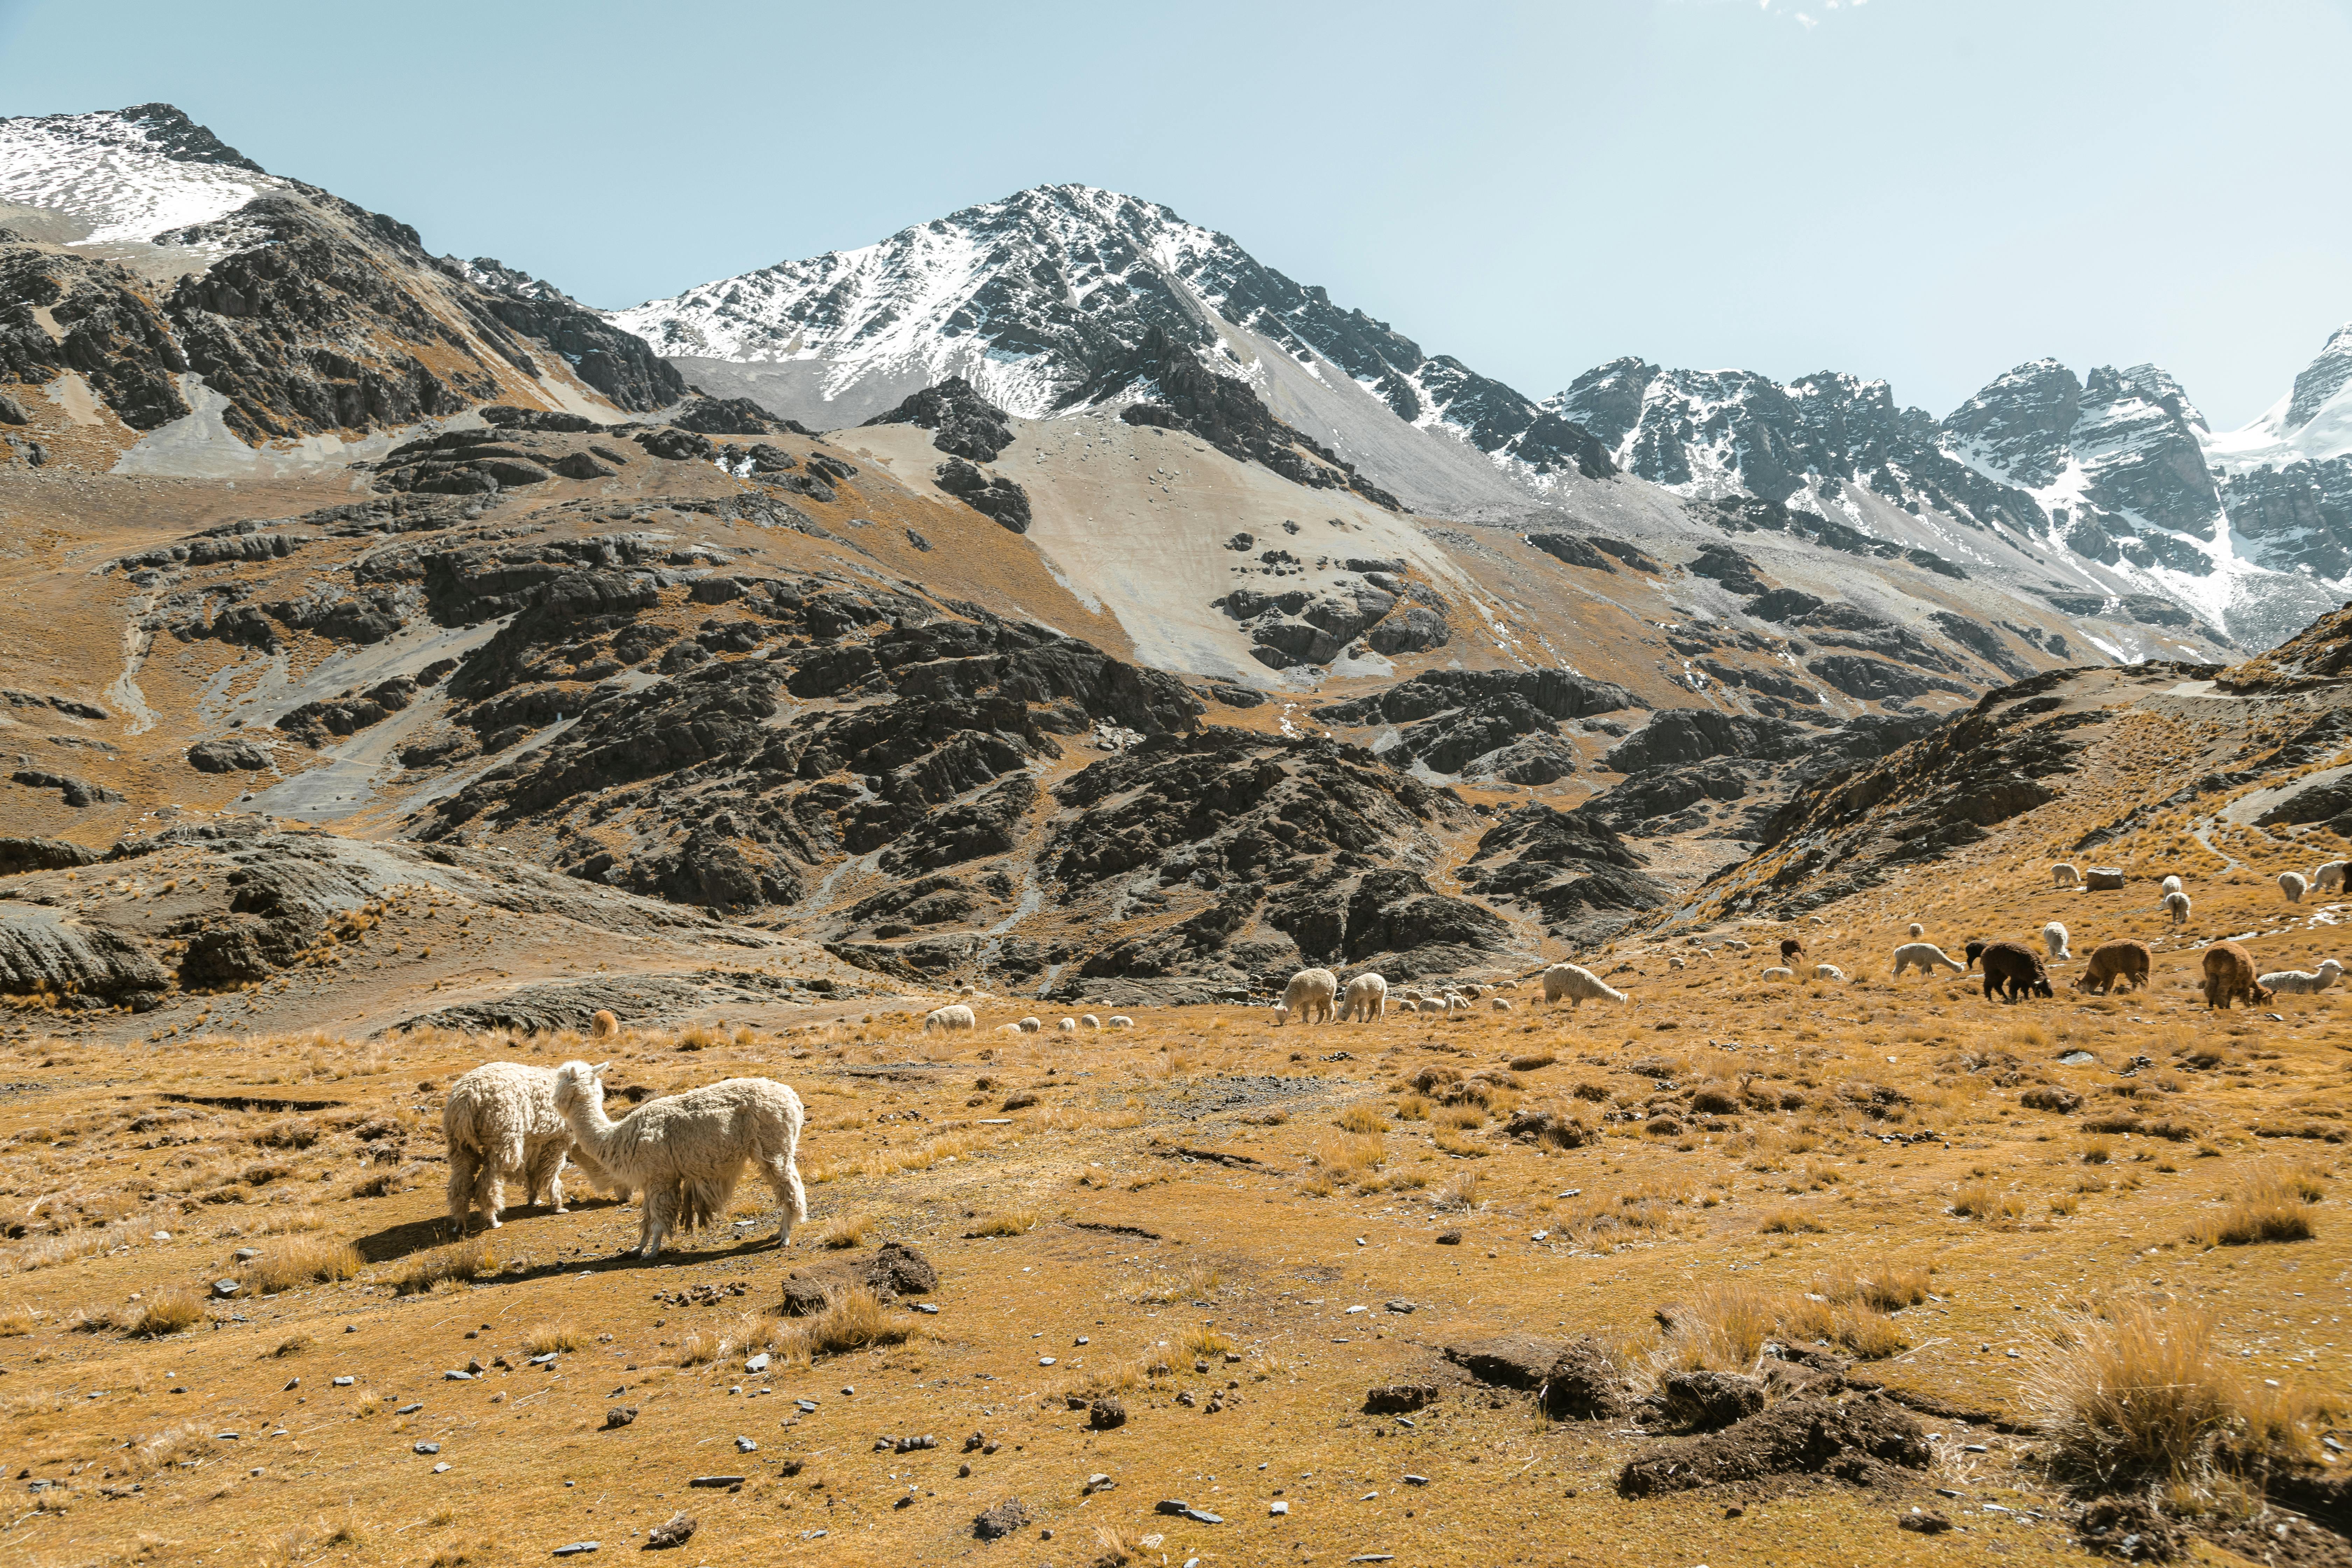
x: 1928, y: 191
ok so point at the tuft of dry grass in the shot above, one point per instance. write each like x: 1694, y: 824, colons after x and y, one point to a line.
x: 1007, y: 1222
x: 1891, y: 1287
x: 459, y: 1262
x: 1206, y: 1342
x: 1201, y: 1283
x: 292, y: 1345
x: 166, y: 1312
x: 1412, y: 1107
x: 849, y: 1230
x: 855, y: 1320
x: 19, y: 1318
x: 1788, y: 1219
x: 2133, y: 1399
x: 560, y: 1338
x: 1118, y: 1547
x: 301, y: 1262
x: 1362, y: 1119
x: 2269, y: 1205
x: 173, y: 1446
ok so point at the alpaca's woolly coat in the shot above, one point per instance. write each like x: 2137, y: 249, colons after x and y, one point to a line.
x: 687, y: 1151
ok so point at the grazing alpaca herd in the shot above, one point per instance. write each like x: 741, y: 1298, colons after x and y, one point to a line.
x: 2013, y: 971
x: 685, y: 1154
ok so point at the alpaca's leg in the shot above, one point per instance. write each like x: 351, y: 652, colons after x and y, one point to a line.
x: 785, y: 1180
x: 465, y: 1166
x: 545, y: 1175
x: 661, y: 1208
x: 495, y: 1163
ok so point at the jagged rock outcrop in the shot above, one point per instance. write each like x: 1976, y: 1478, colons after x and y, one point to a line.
x: 1179, y: 393
x: 1685, y: 735
x: 1264, y: 853
x: 1486, y: 723
x: 1841, y: 830
x: 1571, y: 868
x: 991, y: 495
x: 962, y: 423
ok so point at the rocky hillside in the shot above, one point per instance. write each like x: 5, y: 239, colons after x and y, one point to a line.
x: 156, y: 286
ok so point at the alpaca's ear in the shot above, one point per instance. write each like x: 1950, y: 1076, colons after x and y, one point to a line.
x: 600, y: 1069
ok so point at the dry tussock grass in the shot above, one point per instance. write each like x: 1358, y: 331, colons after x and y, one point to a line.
x: 460, y: 1262
x: 302, y: 1261
x: 2135, y: 1398
x: 559, y: 1338
x: 18, y: 1318
x: 2270, y: 1203
x: 1007, y: 1222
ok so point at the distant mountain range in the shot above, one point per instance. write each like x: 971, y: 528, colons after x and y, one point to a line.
x: 189, y: 285
x: 1043, y: 299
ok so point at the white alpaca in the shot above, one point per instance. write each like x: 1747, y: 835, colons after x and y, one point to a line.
x: 1499, y: 1004
x: 1735, y: 944
x: 1067, y: 1026
x: 1090, y: 1022
x: 1310, y: 994
x: 1917, y: 931
x: 1926, y: 956
x: 1674, y: 962
x: 1578, y: 984
x: 1828, y: 972
x: 957, y: 1017
x: 1281, y: 1015
x: 2171, y: 884
x: 2297, y: 982
x: 1777, y: 972
x: 2064, y: 875
x: 1455, y: 1001
x: 2291, y: 884
x: 2177, y: 906
x: 1366, y: 999
x: 2053, y: 937
x: 1119, y: 1021
x: 686, y: 1151
x: 2330, y: 876
x: 1430, y: 1005
x: 502, y: 1121
x: 1029, y: 1025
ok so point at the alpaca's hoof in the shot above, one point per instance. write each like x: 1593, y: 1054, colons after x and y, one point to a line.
x: 494, y: 1222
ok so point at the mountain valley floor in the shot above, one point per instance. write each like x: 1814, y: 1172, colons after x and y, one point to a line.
x: 1312, y: 1265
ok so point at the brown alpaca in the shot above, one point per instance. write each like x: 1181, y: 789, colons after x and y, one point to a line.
x: 1791, y: 949
x: 2116, y: 963
x: 2229, y: 977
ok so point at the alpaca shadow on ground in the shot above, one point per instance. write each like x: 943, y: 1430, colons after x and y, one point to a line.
x: 396, y: 1242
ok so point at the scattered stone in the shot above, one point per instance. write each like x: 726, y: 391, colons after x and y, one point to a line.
x: 577, y: 1547
x: 1100, y: 1483
x: 1277, y: 1508
x: 1186, y: 1510
x: 714, y: 1481
x: 248, y: 1254
x: 618, y: 1416
x: 673, y: 1531
x: 746, y: 1446
x: 455, y: 1375
x: 226, y: 1289
x: 1000, y: 1520
x: 345, y: 1382
x: 757, y: 1363
x: 410, y: 1409
x: 1449, y: 1239
x: 1105, y: 1413
x: 1925, y: 1521
x: 428, y: 1447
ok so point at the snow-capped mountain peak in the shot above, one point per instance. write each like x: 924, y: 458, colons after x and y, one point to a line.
x: 125, y: 175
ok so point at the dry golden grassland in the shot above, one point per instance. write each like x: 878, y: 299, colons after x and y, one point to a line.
x: 1860, y: 1169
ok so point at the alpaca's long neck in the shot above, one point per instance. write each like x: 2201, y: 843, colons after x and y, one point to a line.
x: 590, y: 1125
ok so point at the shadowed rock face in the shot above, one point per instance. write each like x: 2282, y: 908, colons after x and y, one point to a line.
x: 1570, y: 868
x: 962, y: 423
